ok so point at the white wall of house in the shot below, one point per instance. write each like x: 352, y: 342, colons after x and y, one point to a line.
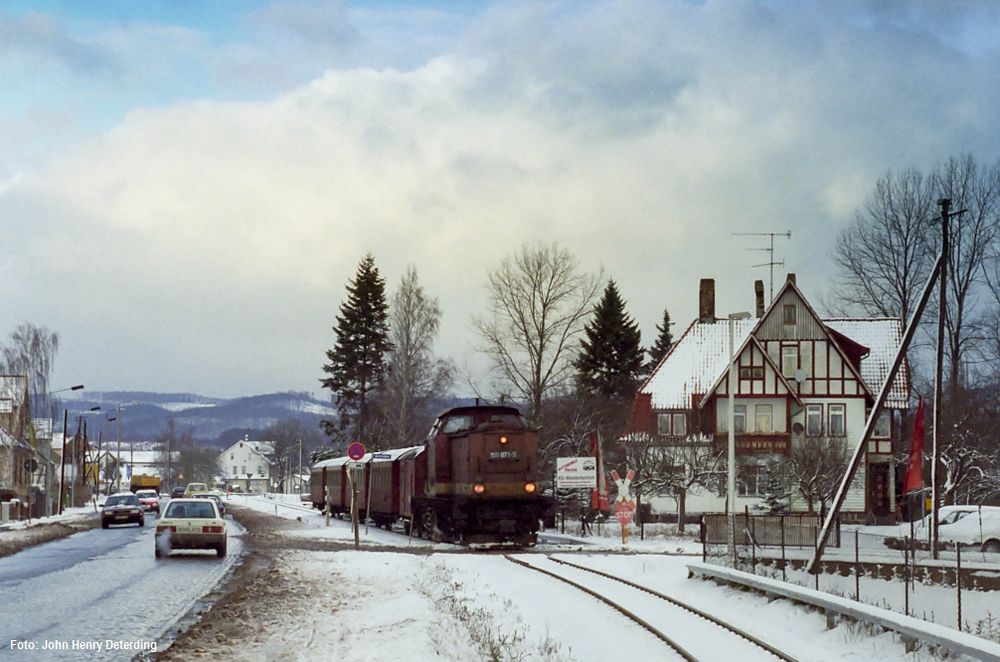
x: 240, y: 459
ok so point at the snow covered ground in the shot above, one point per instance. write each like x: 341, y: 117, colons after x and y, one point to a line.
x: 658, y: 538
x: 427, y: 602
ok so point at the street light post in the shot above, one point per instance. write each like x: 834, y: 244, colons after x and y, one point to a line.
x: 731, y: 464
x: 62, y: 459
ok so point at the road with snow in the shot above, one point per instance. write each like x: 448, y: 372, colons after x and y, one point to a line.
x: 99, y: 586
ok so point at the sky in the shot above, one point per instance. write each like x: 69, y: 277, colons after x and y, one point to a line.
x: 187, y: 186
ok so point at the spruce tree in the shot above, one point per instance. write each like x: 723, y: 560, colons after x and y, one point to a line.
x: 357, y: 361
x: 610, y: 358
x: 664, y: 339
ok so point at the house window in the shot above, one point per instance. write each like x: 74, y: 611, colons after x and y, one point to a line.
x: 260, y: 471
x: 838, y: 427
x: 882, y: 427
x: 752, y: 480
x: 763, y: 418
x: 745, y: 372
x: 739, y: 419
x: 752, y: 372
x: 673, y: 424
x: 788, y: 313
x: 814, y: 420
x: 234, y: 469
x: 789, y: 360
x: 680, y: 425
x: 232, y: 456
x: 244, y: 467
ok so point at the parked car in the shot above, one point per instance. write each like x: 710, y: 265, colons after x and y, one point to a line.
x: 190, y: 524
x: 122, y: 508
x: 214, y: 497
x: 194, y: 488
x: 177, y: 492
x: 967, y: 525
x: 979, y: 528
x: 149, y: 500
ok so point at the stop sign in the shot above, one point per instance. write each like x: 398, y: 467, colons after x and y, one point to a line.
x: 356, y: 450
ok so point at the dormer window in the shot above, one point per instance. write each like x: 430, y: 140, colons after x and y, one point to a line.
x: 788, y: 313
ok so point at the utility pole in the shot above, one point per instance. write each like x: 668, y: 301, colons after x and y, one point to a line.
x: 62, y: 462
x: 770, y: 251
x: 299, y: 477
x: 945, y: 205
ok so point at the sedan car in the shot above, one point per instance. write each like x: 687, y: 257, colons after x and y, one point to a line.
x: 190, y: 524
x: 177, y: 492
x: 122, y: 508
x: 149, y: 499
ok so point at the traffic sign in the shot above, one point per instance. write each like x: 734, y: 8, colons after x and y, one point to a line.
x: 576, y: 472
x: 356, y: 450
x: 31, y: 465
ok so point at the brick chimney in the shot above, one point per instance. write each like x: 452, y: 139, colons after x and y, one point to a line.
x: 758, y: 290
x: 791, y: 278
x: 706, y: 300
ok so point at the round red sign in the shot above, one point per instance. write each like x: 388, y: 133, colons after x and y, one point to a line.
x: 356, y: 450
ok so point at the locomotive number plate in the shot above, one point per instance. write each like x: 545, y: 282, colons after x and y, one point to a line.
x: 503, y: 455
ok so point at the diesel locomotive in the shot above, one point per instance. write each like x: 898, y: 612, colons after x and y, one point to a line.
x: 474, y: 480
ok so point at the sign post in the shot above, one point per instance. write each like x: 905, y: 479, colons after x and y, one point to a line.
x: 355, y: 451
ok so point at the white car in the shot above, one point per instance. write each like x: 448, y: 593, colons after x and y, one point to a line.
x: 976, y: 527
x: 190, y: 524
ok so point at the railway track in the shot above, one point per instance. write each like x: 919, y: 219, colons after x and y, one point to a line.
x: 693, y: 634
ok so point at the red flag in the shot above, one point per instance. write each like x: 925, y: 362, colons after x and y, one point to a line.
x: 915, y: 470
x: 599, y: 496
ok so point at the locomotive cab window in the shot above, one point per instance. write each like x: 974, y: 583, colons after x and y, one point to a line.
x: 457, y: 424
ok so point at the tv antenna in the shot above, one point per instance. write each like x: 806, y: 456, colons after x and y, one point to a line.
x: 769, y: 250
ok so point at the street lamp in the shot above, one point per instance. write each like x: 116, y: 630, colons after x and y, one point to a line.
x: 76, y: 474
x: 118, y: 438
x: 731, y: 469
x: 49, y: 469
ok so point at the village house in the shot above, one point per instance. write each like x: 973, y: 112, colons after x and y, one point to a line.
x: 247, y: 465
x: 16, y: 453
x: 801, y: 382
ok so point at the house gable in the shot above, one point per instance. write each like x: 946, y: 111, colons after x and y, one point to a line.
x: 757, y: 375
x: 825, y: 367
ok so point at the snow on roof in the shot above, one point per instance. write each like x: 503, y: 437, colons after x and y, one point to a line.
x: 699, y: 358
x: 883, y: 336
x: 694, y: 362
x: 394, y: 454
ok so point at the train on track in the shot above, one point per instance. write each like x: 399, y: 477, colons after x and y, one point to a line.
x: 474, y: 480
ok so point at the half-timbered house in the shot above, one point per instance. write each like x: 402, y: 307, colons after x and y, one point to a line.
x: 802, y: 381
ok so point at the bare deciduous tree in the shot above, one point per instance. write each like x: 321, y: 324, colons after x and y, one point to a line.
x: 413, y: 376
x: 815, y: 468
x: 973, y: 234
x: 883, y: 258
x: 538, y: 303
x: 31, y: 352
x: 688, y: 466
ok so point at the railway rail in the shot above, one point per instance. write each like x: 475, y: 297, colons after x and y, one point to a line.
x: 694, y: 634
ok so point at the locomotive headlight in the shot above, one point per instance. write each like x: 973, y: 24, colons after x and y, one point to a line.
x: 503, y: 439
x: 478, y: 488
x: 529, y: 488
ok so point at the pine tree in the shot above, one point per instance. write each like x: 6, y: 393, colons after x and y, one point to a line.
x: 664, y: 340
x: 357, y: 361
x: 610, y: 357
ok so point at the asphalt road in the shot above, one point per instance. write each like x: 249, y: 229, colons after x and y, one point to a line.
x: 65, y: 600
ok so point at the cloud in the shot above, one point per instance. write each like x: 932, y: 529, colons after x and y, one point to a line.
x: 211, y: 240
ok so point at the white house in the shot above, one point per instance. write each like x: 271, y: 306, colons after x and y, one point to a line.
x: 800, y: 379
x: 248, y: 464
